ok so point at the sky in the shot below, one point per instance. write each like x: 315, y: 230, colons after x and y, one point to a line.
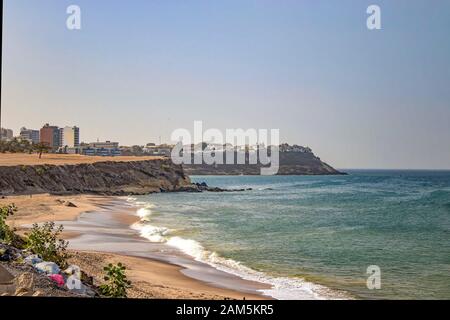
x: 139, y: 69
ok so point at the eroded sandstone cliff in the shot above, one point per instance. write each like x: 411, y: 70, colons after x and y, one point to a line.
x: 111, y: 178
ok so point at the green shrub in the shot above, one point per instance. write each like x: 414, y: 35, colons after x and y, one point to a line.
x: 15, y: 240
x: 6, y: 233
x: 165, y: 167
x: 116, y: 281
x: 41, y: 170
x: 43, y: 241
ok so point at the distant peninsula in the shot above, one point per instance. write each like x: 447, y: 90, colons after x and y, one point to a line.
x: 294, y: 160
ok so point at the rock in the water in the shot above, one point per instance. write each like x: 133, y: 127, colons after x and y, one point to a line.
x: 201, y: 184
x: 47, y: 267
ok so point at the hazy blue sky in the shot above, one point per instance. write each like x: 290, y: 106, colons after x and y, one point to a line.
x: 139, y: 69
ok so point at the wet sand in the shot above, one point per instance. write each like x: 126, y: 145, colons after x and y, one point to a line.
x: 154, y: 279
x: 39, y: 208
x: 99, y: 233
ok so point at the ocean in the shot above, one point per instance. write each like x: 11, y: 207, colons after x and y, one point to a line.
x: 313, y: 237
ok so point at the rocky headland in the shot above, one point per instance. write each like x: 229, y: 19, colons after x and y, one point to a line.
x: 106, y: 178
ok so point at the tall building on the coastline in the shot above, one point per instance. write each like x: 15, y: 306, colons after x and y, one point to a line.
x: 69, y: 137
x: 6, y: 134
x: 30, y: 135
x: 50, y: 135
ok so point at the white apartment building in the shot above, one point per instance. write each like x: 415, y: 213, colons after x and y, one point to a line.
x: 6, y: 134
x: 70, y: 137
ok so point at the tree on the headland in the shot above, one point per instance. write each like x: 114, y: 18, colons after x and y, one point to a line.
x: 41, y: 148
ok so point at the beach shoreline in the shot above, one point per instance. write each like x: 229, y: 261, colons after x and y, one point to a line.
x: 164, y: 277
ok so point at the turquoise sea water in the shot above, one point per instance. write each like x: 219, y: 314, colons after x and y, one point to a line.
x: 304, y: 234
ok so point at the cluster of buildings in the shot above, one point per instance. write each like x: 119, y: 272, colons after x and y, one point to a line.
x: 63, y: 140
x: 6, y: 134
x: 67, y: 140
x: 284, y: 147
x: 152, y: 149
x: 98, y: 148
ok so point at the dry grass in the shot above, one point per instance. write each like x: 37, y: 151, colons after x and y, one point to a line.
x: 14, y: 159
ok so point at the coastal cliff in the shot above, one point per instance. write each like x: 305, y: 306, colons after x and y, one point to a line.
x: 109, y: 178
x: 291, y: 163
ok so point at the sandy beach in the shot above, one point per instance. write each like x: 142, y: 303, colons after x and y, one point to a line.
x: 152, y: 277
x: 155, y: 279
x: 39, y: 208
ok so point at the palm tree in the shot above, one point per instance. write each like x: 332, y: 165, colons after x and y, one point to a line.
x: 41, y: 147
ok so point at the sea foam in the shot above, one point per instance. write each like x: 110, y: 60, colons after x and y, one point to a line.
x: 151, y: 233
x: 282, y: 288
x: 144, y: 213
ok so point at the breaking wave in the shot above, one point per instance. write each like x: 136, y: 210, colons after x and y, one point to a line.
x: 282, y: 288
